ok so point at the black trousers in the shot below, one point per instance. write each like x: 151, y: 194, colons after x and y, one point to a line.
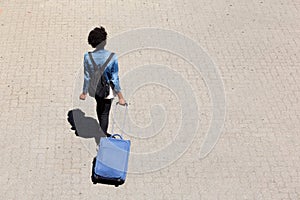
x: 103, y: 108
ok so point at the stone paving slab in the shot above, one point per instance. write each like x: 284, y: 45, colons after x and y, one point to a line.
x: 255, y: 45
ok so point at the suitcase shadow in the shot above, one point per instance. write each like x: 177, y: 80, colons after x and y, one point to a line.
x: 85, y: 127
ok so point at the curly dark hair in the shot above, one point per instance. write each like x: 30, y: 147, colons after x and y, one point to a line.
x: 96, y: 36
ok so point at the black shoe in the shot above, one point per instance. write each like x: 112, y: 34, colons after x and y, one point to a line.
x: 109, y: 135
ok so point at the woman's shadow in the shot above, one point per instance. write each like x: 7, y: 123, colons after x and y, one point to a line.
x: 85, y: 127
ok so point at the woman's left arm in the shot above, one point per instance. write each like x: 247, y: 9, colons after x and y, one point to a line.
x: 86, y: 79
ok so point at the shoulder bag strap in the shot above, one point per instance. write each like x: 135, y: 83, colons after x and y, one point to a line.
x: 103, y: 67
x: 93, y: 62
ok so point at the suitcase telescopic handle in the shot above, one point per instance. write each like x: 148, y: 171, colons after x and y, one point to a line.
x: 114, y: 135
x: 124, y: 120
x: 126, y: 104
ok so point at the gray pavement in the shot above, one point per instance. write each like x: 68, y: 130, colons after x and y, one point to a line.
x: 254, y: 44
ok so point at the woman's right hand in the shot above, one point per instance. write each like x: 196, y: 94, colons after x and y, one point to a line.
x: 122, y: 101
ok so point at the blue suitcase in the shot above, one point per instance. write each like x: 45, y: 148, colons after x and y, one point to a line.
x: 111, y: 164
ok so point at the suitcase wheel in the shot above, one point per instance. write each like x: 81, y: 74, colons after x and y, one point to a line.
x: 94, y: 180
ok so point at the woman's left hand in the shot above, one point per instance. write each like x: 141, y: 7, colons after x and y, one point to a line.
x: 82, y: 96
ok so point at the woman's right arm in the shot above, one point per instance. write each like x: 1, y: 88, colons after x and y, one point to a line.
x: 116, y: 82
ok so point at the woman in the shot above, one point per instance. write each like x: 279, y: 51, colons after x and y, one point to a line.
x: 97, y: 39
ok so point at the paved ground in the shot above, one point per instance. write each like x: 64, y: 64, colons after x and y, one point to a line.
x: 255, y: 44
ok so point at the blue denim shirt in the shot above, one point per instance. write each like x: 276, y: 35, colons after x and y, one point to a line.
x: 110, y: 73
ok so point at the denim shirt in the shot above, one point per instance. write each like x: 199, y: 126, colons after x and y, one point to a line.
x: 110, y: 73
